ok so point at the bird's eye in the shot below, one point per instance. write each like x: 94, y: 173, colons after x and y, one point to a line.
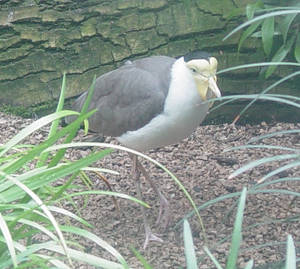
x: 193, y: 70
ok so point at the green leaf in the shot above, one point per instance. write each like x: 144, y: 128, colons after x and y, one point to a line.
x: 88, y: 99
x: 8, y: 240
x: 35, y: 126
x: 297, y: 49
x: 49, y: 175
x: 237, y: 233
x: 285, y: 25
x: 189, y: 250
x: 281, y: 169
x: 60, y: 154
x: 280, y: 55
x: 251, y: 8
x: 267, y: 34
x: 261, y: 161
x: 290, y: 262
x: 139, y: 256
x: 247, y: 33
x: 259, y: 18
x: 36, y: 151
x: 54, y: 248
x: 267, y: 90
x: 212, y: 257
x: 100, y: 242
x: 53, y: 129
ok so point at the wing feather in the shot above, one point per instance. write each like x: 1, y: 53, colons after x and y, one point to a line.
x: 130, y: 96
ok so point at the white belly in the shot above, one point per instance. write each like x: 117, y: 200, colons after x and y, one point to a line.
x: 165, y: 129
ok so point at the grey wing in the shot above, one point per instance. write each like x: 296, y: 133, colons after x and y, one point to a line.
x: 125, y: 99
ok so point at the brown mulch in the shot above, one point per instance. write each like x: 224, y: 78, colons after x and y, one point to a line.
x: 203, y: 167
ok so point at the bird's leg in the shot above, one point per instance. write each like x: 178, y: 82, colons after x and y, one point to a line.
x: 136, y: 175
x: 164, y: 210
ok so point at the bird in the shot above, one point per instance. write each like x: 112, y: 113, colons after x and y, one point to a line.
x: 150, y: 103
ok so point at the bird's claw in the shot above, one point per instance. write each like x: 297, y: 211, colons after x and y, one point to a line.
x: 150, y: 237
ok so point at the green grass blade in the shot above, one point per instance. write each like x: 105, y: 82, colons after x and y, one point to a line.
x: 7, y: 184
x: 247, y: 33
x: 280, y: 55
x: 59, y: 191
x: 57, y: 263
x: 8, y: 240
x: 212, y: 257
x: 89, y: 96
x: 284, y: 132
x: 69, y: 214
x: 189, y: 249
x: 253, y: 190
x: 59, y: 107
x: 55, y: 123
x: 37, y: 226
x: 207, y: 204
x: 267, y: 34
x: 297, y: 48
x: 286, y: 24
x: 87, y: 258
x: 261, y: 17
x: 53, y: 247
x: 139, y: 256
x: 115, y: 194
x: 261, y: 147
x: 251, y: 8
x: 268, y: 89
x: 59, y: 155
x: 35, y: 126
x: 277, y: 191
x: 40, y: 203
x: 237, y: 233
x: 280, y: 169
x: 290, y: 254
x: 51, y: 174
x: 88, y: 235
x: 279, y: 180
x: 262, y: 64
x: 101, y: 170
x: 38, y: 149
x: 261, y: 161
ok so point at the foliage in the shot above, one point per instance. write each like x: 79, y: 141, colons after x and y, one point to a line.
x: 278, y: 28
x: 236, y: 240
x: 28, y: 203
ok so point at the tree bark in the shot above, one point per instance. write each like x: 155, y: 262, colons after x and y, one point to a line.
x: 43, y: 39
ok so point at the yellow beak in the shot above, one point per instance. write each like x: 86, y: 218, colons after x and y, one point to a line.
x: 214, y: 87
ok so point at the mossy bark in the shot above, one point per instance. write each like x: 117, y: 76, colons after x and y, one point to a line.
x: 42, y: 39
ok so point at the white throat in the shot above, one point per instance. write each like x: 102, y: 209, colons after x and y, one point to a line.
x: 183, y: 94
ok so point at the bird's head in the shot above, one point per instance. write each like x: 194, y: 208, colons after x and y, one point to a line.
x: 203, y: 68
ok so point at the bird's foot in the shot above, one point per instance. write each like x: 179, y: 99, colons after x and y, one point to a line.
x: 150, y: 237
x: 164, y: 213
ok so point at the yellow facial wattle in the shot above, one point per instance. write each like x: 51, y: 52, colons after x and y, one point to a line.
x: 202, y: 88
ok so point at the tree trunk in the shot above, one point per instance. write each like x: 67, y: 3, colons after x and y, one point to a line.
x: 42, y: 39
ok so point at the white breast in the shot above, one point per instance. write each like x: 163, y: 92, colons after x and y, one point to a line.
x: 182, y: 114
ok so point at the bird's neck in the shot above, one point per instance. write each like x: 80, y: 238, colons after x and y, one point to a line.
x: 183, y: 93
